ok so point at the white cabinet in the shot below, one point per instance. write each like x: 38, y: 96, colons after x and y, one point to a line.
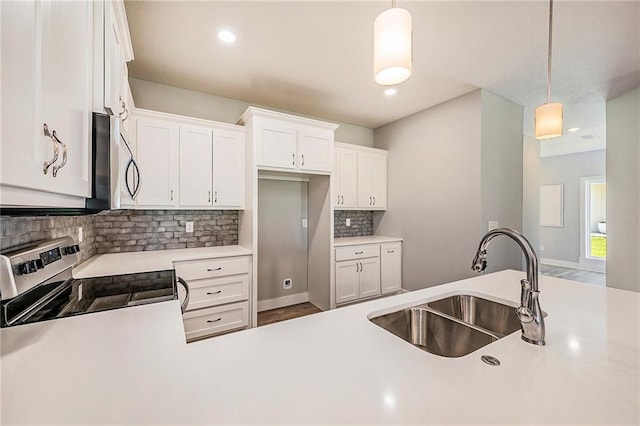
x: 285, y: 142
x: 157, y: 149
x: 367, y: 270
x: 345, y: 175
x: 391, y: 267
x: 372, y: 181
x: 357, y: 272
x: 46, y: 78
x: 189, y: 166
x: 196, y: 164
x: 218, y: 295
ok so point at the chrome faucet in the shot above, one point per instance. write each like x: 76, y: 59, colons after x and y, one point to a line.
x: 529, y: 312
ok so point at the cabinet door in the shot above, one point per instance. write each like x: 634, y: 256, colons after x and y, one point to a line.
x: 315, y: 151
x: 336, y: 180
x: 228, y: 169
x: 348, y: 178
x: 390, y: 267
x: 113, y: 63
x: 157, y: 145
x: 370, y: 277
x: 379, y: 181
x: 276, y: 146
x: 347, y: 281
x: 365, y: 181
x: 195, y: 165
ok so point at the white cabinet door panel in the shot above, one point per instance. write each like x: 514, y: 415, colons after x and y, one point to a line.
x: 196, y: 157
x: 157, y: 145
x: 370, y: 277
x: 228, y: 169
x: 346, y: 281
x: 277, y: 147
x: 348, y: 178
x: 315, y: 151
x: 390, y: 267
x: 379, y: 181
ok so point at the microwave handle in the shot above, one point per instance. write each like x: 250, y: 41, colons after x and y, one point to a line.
x: 133, y: 192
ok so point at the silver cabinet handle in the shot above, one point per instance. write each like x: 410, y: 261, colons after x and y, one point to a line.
x: 215, y: 199
x: 374, y: 200
x: 359, y: 252
x: 47, y: 164
x: 338, y: 202
x: 136, y: 181
x: 184, y: 305
x: 172, y: 195
x: 125, y: 112
x: 293, y: 162
x: 391, y: 251
x: 302, y: 159
x: 209, y: 196
x: 215, y: 320
x: 215, y: 292
x: 342, y: 196
x: 370, y: 201
x: 214, y: 269
x: 357, y: 267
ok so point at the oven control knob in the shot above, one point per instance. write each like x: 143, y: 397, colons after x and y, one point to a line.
x: 28, y: 267
x: 71, y: 249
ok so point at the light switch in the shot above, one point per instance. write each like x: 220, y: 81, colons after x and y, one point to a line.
x: 348, y: 222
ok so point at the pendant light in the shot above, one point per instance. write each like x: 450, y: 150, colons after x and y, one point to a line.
x: 392, y: 51
x: 548, y: 122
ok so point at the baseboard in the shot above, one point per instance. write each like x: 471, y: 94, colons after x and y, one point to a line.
x: 573, y: 265
x: 280, y: 302
x: 592, y: 265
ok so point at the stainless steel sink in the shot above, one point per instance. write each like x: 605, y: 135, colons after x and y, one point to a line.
x: 497, y: 318
x: 433, y: 332
x: 453, y: 326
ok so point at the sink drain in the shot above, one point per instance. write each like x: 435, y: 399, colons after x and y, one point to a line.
x: 488, y: 359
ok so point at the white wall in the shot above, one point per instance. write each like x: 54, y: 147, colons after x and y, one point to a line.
x: 563, y: 243
x: 170, y: 99
x: 531, y: 191
x: 434, y: 190
x: 623, y: 196
x: 501, y: 176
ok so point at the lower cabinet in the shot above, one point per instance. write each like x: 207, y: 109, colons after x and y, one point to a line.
x: 368, y: 270
x: 218, y: 295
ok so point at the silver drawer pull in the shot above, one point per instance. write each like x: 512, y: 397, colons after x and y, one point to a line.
x: 215, y: 269
x: 359, y: 252
x: 215, y: 320
x: 391, y: 251
x: 215, y: 292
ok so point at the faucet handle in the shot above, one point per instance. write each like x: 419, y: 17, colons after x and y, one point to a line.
x: 479, y: 263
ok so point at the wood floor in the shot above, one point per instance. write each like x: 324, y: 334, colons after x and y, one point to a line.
x: 574, y: 274
x: 286, y: 313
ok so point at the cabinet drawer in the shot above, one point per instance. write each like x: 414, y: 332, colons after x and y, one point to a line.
x: 216, y: 291
x: 211, y: 268
x: 390, y: 248
x: 357, y: 252
x: 210, y: 321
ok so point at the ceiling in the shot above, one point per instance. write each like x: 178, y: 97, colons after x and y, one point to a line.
x: 315, y: 58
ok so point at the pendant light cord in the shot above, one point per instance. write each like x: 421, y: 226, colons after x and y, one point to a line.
x: 549, y: 52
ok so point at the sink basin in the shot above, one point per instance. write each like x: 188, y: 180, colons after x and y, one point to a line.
x: 453, y: 326
x: 497, y: 318
x: 433, y: 332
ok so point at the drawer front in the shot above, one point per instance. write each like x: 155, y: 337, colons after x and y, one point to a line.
x: 216, y: 291
x: 211, y: 268
x: 210, y: 321
x: 357, y: 252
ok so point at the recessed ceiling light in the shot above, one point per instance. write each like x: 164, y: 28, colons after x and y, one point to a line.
x: 227, y: 36
x: 573, y: 129
x: 390, y: 91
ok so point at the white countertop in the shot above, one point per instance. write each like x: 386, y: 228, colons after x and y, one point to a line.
x: 132, y: 366
x: 148, y: 261
x: 369, y: 239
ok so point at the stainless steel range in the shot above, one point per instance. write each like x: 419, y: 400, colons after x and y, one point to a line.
x: 36, y: 285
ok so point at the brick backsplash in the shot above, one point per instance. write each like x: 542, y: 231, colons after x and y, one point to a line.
x: 22, y: 230
x: 361, y: 223
x: 139, y: 230
x: 126, y: 230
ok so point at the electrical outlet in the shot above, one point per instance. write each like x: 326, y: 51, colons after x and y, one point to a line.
x: 80, y: 237
x: 287, y: 283
x: 493, y: 224
x: 305, y: 223
x: 348, y: 222
x: 189, y: 227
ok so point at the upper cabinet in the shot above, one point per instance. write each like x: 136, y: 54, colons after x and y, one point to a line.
x: 46, y: 87
x: 284, y: 142
x: 189, y: 163
x: 360, y: 178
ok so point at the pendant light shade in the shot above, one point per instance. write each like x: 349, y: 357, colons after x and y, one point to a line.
x: 549, y: 115
x: 549, y: 121
x: 392, y: 50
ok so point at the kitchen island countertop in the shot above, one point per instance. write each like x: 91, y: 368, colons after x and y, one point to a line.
x: 132, y: 366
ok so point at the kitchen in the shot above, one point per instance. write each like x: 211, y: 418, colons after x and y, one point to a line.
x: 348, y: 369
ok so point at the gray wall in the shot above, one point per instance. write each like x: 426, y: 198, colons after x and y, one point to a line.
x: 501, y: 176
x: 531, y: 191
x: 361, y: 223
x: 282, y: 241
x: 623, y: 197
x: 160, y: 97
x: 434, y: 190
x: 564, y: 243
